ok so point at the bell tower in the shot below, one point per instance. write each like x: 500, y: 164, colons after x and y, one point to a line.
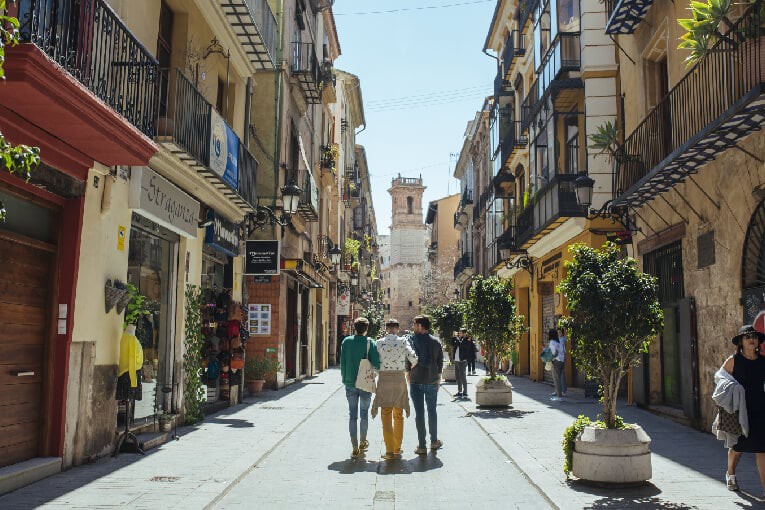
x: 406, y: 196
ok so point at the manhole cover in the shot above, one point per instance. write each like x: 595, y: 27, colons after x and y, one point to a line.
x: 164, y: 478
x: 385, y: 496
x: 273, y: 408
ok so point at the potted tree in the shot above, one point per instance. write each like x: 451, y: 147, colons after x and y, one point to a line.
x: 492, y: 318
x: 614, y: 314
x: 256, y: 370
x: 447, y: 319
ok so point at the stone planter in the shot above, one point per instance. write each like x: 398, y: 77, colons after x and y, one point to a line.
x: 497, y: 393
x: 449, y: 374
x: 166, y: 422
x: 613, y: 457
x: 255, y: 386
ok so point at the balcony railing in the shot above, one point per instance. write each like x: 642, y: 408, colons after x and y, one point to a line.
x: 406, y: 181
x: 508, y: 54
x: 308, y: 206
x: 92, y: 44
x: 555, y: 200
x: 255, y: 26
x: 625, y: 15
x: 527, y: 8
x: 513, y: 140
x: 483, y: 199
x: 185, y: 127
x: 467, y: 197
x: 716, y: 104
x: 520, y: 43
x: 305, y: 67
x: 502, y: 87
x: 464, y: 263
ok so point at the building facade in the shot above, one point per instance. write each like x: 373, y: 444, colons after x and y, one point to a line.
x: 438, y: 285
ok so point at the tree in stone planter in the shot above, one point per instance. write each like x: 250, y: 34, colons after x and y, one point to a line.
x: 492, y: 318
x: 447, y: 319
x: 614, y: 314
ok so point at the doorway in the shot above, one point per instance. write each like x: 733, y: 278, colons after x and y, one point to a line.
x: 290, y: 341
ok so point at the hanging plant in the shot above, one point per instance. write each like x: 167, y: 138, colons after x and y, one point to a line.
x: 193, y: 391
x: 351, y: 250
x: 138, y: 305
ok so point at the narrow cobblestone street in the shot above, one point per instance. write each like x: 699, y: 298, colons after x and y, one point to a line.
x: 289, y: 449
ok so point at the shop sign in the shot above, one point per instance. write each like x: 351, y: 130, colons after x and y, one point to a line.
x: 161, y: 201
x: 344, y: 303
x: 620, y: 237
x: 262, y: 258
x: 224, y: 150
x: 222, y: 234
x: 551, y: 264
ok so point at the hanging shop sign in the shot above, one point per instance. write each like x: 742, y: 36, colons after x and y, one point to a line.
x: 344, y: 303
x: 224, y: 150
x: 262, y: 257
x: 620, y: 237
x: 163, y: 202
x: 259, y: 319
x: 222, y: 234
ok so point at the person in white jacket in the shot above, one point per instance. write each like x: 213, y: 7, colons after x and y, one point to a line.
x: 558, y: 362
x: 392, y: 394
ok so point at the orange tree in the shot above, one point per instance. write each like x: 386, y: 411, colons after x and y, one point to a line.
x: 492, y: 318
x: 614, y: 314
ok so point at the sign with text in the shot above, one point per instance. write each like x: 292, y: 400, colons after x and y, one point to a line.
x: 262, y: 257
x: 223, y: 235
x: 161, y: 201
x: 344, y: 303
x: 224, y: 150
x: 259, y: 319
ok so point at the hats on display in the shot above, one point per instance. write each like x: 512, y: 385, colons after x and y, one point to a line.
x: 747, y: 329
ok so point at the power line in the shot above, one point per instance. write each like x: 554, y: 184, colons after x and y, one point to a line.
x: 404, y: 9
x: 424, y: 104
x: 443, y: 93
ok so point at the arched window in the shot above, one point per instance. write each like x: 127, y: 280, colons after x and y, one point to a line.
x: 409, y: 205
x: 753, y: 265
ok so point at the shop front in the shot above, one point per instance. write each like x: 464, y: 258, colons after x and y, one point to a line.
x: 163, y: 219
x: 222, y: 315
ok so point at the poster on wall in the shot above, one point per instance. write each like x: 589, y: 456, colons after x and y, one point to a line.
x: 259, y: 319
x: 261, y: 257
x: 344, y: 303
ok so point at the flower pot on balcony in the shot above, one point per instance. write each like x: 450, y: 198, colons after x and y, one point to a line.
x: 613, y: 457
x: 496, y: 393
x: 449, y: 374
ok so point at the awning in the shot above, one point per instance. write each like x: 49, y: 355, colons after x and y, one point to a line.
x: 302, y: 272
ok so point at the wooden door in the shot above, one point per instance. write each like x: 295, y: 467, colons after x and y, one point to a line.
x: 27, y: 270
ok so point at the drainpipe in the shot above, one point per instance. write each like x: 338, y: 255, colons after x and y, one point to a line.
x: 247, y: 112
x: 278, y: 99
x: 490, y: 55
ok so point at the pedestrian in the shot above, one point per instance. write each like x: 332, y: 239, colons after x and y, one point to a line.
x: 747, y: 367
x: 558, y: 362
x: 563, y: 341
x: 473, y: 351
x: 392, y: 394
x: 462, y: 353
x: 424, y: 381
x: 353, y: 350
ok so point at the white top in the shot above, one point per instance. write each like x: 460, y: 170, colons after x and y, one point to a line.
x: 394, y: 351
x: 558, y: 348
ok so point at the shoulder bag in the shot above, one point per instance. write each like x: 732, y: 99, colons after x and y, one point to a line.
x: 365, y: 380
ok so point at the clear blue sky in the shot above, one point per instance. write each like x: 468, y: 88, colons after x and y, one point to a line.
x: 423, y: 76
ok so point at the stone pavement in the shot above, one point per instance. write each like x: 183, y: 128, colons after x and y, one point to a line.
x: 289, y: 449
x: 688, y: 465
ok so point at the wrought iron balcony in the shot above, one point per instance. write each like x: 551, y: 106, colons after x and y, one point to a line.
x: 185, y: 128
x: 308, y: 206
x: 305, y: 67
x: 520, y: 43
x: 551, y: 205
x: 513, y: 140
x: 720, y: 101
x: 562, y: 58
x: 483, y: 200
x: 467, y: 197
x: 625, y: 15
x: 255, y: 27
x: 91, y: 43
x: 464, y: 265
x: 527, y: 8
x: 502, y: 87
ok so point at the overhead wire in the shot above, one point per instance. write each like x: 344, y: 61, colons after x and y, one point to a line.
x: 429, y: 94
x: 420, y: 8
x: 425, y: 104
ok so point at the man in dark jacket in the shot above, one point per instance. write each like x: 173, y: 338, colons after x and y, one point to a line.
x: 424, y: 381
x: 472, y: 353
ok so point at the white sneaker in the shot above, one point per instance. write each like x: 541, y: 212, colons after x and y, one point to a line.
x: 730, y: 481
x: 555, y: 398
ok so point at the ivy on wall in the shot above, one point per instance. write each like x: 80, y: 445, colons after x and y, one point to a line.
x: 193, y: 391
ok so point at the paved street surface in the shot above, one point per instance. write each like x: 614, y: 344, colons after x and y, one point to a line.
x: 289, y: 449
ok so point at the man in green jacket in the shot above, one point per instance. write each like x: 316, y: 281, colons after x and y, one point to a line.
x: 352, y: 351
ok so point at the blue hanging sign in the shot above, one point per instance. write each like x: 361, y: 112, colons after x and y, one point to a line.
x: 224, y: 150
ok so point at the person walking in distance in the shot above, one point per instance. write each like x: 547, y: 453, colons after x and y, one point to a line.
x: 461, y: 357
x: 558, y: 362
x: 473, y: 352
x: 563, y: 341
x: 392, y: 394
x: 353, y: 350
x: 424, y: 381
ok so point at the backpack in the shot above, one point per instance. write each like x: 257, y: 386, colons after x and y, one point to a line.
x: 547, y: 354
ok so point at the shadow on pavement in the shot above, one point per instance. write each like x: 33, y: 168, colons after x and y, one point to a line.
x: 492, y: 413
x: 419, y: 464
x: 642, y: 497
x: 231, y: 422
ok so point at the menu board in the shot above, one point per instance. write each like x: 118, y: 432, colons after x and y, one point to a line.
x: 259, y: 319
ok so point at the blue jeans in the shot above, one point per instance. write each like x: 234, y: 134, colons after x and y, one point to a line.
x: 354, y: 396
x: 425, y: 394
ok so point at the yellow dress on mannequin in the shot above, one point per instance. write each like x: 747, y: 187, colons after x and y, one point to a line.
x: 131, y: 355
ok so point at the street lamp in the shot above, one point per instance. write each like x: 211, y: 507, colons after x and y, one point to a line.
x: 291, y: 197
x: 354, y: 280
x: 523, y: 262
x: 335, y: 254
x: 265, y: 215
x: 583, y: 185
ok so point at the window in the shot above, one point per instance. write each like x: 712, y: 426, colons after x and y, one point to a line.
x: 572, y: 145
x: 410, y: 304
x: 409, y: 205
x: 164, y: 52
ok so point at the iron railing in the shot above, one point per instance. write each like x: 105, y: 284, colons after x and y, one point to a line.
x: 305, y: 62
x: 527, y: 8
x: 508, y: 54
x: 731, y: 69
x: 513, y: 139
x: 520, y: 43
x: 92, y: 44
x: 463, y: 263
x: 265, y: 22
x: 467, y: 197
x: 483, y: 200
x: 556, y: 199
x: 248, y: 170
